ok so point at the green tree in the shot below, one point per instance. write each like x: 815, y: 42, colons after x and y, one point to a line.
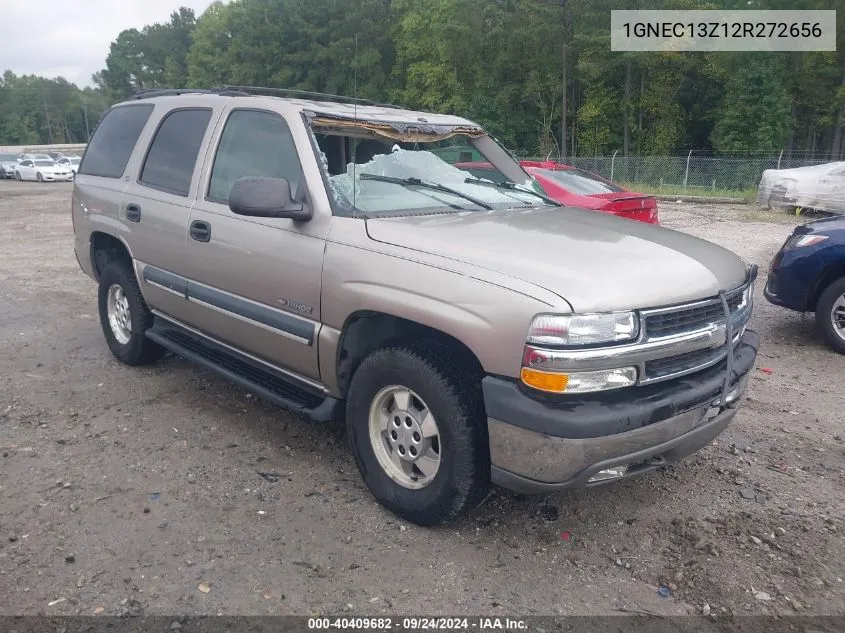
x: 37, y: 110
x: 154, y: 57
x: 755, y: 114
x: 288, y: 44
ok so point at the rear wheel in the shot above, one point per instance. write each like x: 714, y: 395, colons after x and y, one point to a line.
x: 418, y: 433
x: 830, y: 314
x: 125, y: 317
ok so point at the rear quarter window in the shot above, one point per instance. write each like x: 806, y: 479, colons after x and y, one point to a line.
x: 114, y: 139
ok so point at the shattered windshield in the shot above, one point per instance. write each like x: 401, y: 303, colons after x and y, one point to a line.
x: 379, y: 177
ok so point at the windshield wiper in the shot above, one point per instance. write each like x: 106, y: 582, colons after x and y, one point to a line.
x: 416, y: 182
x: 512, y: 186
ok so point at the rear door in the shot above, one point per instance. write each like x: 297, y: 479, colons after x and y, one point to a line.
x: 255, y: 282
x: 157, y: 202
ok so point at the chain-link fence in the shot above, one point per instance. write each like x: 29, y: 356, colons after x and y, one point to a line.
x: 692, y: 173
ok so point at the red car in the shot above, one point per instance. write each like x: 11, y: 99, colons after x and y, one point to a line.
x: 578, y: 188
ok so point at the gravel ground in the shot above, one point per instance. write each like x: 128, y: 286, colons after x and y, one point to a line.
x: 137, y: 490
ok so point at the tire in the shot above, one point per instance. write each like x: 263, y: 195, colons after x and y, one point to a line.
x: 39, y: 177
x: 18, y: 175
x: 453, y: 397
x: 832, y: 301
x: 129, y: 344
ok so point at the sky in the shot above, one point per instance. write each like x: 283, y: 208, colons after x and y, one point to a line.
x: 71, y: 37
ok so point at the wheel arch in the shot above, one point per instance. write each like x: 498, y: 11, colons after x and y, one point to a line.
x: 106, y: 248
x: 829, y: 274
x: 365, y: 331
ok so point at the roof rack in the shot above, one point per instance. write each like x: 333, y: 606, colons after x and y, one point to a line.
x: 305, y: 94
x: 244, y: 91
x: 172, y: 92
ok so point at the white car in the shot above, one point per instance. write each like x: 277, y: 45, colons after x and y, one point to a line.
x: 71, y: 162
x: 8, y: 163
x: 817, y: 187
x: 42, y: 170
x: 34, y: 157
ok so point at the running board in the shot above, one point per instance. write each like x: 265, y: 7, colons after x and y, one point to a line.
x: 247, y: 373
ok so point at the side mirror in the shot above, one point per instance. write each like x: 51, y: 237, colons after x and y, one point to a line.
x: 263, y: 197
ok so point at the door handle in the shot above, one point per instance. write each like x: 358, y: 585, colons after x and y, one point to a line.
x: 133, y: 212
x: 200, y: 231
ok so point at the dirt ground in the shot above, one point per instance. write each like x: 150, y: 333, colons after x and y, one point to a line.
x: 137, y: 490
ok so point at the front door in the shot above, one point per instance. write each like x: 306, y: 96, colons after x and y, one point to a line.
x: 26, y: 169
x: 255, y: 282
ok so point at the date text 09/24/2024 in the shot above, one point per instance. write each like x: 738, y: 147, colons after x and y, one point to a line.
x: 417, y: 624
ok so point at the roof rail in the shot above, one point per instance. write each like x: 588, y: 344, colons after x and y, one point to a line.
x: 171, y: 92
x: 244, y: 91
x: 303, y: 94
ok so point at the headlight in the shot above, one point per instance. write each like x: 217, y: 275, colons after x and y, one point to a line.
x: 747, y: 296
x: 800, y: 241
x: 584, y: 329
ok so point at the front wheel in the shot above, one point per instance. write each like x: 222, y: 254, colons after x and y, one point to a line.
x: 830, y: 314
x: 18, y: 175
x: 39, y: 177
x: 418, y: 433
x: 125, y: 317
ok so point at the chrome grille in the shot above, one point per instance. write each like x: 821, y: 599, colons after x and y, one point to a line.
x: 681, y: 364
x: 689, y: 318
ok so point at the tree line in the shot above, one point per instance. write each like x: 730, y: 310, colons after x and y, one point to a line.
x: 40, y: 111
x: 539, y: 74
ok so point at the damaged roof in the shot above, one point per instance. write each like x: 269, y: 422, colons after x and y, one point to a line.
x: 377, y: 113
x: 326, y: 106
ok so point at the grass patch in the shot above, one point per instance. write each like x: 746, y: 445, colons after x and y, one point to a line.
x: 749, y: 195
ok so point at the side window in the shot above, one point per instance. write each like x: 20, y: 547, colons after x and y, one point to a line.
x: 253, y: 143
x: 114, y: 139
x: 173, y: 153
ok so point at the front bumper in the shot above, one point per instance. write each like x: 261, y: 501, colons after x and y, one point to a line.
x: 790, y: 286
x: 541, y: 446
x: 770, y: 292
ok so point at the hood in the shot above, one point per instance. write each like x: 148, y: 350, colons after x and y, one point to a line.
x: 596, y: 262
x: 54, y: 169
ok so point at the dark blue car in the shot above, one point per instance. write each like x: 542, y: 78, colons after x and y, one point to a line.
x: 808, y: 275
